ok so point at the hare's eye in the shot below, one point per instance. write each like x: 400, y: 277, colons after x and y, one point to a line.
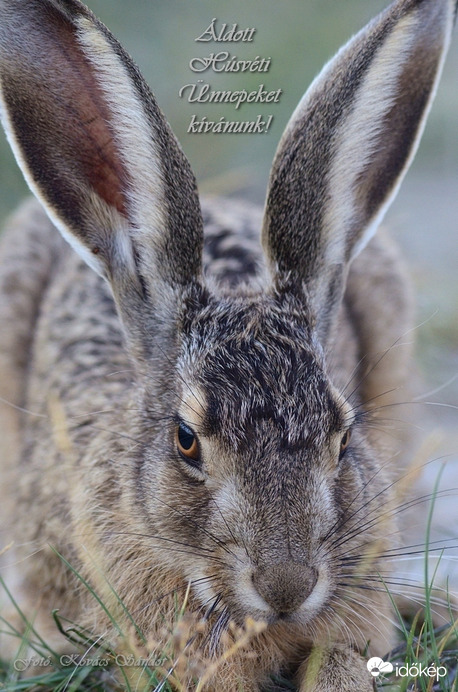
x: 344, y: 442
x: 187, y: 444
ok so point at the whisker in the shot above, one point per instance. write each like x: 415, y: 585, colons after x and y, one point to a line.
x: 163, y: 538
x: 360, y: 528
x: 437, y: 389
x: 350, y: 596
x: 343, y: 604
x: 397, y: 343
x: 386, y: 489
x: 181, y: 587
x: 411, y: 402
x: 196, y: 552
x: 339, y: 524
x: 374, y: 398
x: 415, y: 552
x: 214, y: 636
x: 343, y: 626
x: 395, y: 592
x: 210, y: 535
x: 231, y: 533
x: 441, y: 541
x: 23, y: 410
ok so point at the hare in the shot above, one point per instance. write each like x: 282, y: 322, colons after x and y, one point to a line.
x: 181, y: 410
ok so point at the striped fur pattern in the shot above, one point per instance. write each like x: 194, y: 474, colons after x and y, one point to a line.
x: 269, y: 360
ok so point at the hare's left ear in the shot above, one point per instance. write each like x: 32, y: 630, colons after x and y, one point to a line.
x: 98, y: 153
x: 348, y: 146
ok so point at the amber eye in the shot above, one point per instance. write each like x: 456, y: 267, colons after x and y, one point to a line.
x: 345, y: 441
x: 187, y: 444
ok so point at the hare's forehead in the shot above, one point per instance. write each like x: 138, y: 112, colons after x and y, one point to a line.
x: 239, y: 387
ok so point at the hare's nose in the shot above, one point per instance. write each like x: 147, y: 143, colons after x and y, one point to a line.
x: 284, y: 587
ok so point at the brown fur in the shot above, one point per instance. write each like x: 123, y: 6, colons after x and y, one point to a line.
x: 270, y: 363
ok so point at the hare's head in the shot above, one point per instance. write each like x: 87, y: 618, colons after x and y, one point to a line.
x: 254, y: 464
x: 259, y: 453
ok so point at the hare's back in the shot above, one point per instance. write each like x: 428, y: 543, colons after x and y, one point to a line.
x: 232, y: 250
x: 60, y: 330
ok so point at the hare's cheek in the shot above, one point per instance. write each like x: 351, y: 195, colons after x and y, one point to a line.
x: 205, y: 585
x: 352, y: 482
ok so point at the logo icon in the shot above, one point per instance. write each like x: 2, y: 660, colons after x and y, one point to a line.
x: 377, y: 666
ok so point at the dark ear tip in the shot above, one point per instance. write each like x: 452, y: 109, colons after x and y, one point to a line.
x: 71, y: 8
x: 42, y: 13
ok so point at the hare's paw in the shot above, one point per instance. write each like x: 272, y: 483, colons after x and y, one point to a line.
x: 339, y: 669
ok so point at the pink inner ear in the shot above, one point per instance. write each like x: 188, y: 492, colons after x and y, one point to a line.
x: 89, y: 118
x: 100, y: 160
x: 60, y: 116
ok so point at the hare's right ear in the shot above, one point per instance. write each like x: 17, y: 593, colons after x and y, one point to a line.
x: 97, y: 151
x: 348, y: 146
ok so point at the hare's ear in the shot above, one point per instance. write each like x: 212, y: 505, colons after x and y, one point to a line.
x: 347, y: 147
x: 97, y: 151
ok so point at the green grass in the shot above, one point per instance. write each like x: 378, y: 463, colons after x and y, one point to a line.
x: 425, y: 647
x: 105, y: 670
x: 434, y: 651
x: 421, y: 645
x: 428, y: 647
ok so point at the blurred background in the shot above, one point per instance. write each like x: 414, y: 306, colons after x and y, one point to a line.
x: 300, y: 36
